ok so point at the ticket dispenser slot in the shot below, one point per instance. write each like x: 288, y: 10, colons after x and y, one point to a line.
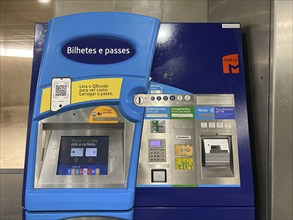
x: 217, y: 157
x: 216, y: 152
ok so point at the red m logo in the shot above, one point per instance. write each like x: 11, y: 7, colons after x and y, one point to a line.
x: 230, y: 64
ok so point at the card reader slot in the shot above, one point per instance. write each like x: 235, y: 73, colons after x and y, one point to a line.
x: 217, y: 149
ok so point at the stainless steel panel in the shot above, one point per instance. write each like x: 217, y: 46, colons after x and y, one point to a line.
x: 254, y: 16
x: 214, y: 100
x: 145, y: 167
x: 183, y: 142
x: 186, y: 176
x: 75, y: 123
x: 281, y: 132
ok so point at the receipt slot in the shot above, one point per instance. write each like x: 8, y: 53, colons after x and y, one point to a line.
x: 84, y: 129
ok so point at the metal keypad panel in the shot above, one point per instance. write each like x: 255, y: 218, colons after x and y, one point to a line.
x: 157, y: 153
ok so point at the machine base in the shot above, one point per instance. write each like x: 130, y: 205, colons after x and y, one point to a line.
x: 91, y: 215
x: 192, y: 213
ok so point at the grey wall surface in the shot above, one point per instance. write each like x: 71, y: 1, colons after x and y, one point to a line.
x: 255, y: 22
x: 16, y: 72
x: 281, y: 132
x: 267, y: 39
x: 15, y: 80
x: 165, y: 10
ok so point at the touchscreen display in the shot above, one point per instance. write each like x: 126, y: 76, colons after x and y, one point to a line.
x: 83, y: 155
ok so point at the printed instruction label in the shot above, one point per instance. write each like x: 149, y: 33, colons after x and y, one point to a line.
x: 87, y: 90
x: 230, y: 25
x: 103, y: 115
x: 182, y: 112
x: 225, y: 112
x: 96, y: 89
x: 204, y: 113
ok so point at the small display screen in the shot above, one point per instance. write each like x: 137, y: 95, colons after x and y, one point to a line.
x: 83, y: 155
x: 155, y: 143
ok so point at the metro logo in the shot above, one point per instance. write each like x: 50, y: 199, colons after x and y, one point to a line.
x: 230, y: 64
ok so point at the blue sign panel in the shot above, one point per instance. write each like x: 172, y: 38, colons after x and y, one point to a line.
x: 225, y: 112
x: 204, y: 113
x: 98, y: 50
x: 157, y: 112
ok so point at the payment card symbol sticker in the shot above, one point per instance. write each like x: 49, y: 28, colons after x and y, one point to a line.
x: 230, y: 64
x: 183, y: 150
x: 85, y: 171
x: 93, y: 171
x: 183, y: 163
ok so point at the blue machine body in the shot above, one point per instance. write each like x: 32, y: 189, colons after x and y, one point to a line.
x: 93, y: 29
x: 189, y: 60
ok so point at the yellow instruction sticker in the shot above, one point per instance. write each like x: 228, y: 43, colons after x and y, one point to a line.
x: 87, y: 90
x: 103, y: 115
x: 96, y: 89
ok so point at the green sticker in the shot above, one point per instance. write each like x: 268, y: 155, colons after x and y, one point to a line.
x: 185, y: 112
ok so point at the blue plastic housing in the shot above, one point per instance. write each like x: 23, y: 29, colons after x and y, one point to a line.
x: 138, y: 31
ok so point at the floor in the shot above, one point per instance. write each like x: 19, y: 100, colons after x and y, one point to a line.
x: 13, y: 136
x: 12, y: 150
x: 10, y: 194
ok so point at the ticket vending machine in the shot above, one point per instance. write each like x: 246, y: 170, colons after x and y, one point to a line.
x: 195, y: 158
x: 84, y: 129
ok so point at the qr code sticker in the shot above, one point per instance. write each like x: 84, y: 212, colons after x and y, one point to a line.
x: 61, y: 90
